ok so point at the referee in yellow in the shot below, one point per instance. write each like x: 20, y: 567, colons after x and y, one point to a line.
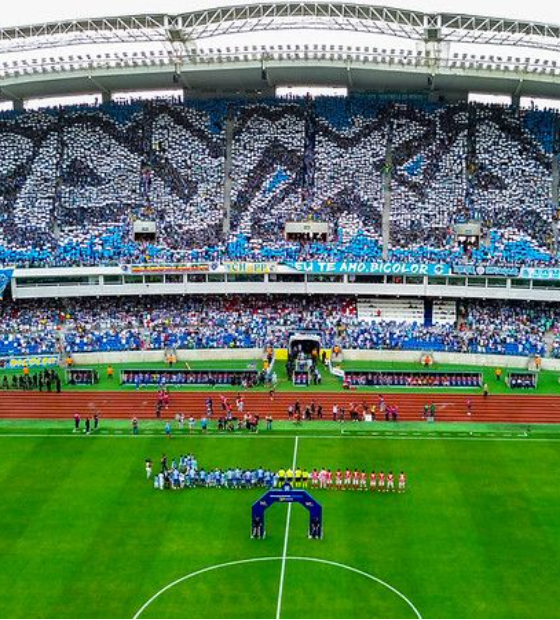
x: 289, y: 476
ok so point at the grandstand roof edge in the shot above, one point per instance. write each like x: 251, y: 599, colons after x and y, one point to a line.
x: 451, y: 20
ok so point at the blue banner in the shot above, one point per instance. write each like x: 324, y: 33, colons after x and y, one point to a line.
x: 539, y: 273
x: 485, y: 270
x: 5, y: 277
x: 371, y: 268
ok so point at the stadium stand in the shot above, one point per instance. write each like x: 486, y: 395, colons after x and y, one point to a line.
x: 73, y: 181
x: 204, y: 322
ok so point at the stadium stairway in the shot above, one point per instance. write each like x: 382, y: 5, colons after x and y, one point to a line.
x: 449, y: 407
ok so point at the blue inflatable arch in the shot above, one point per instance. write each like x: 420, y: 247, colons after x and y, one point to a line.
x: 287, y: 495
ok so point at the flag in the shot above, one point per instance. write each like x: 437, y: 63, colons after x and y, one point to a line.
x: 5, y: 277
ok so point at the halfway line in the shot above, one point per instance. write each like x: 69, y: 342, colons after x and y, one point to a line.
x: 286, y: 536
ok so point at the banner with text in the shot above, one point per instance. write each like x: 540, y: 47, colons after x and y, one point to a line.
x: 485, y: 270
x: 166, y: 269
x: 250, y: 268
x: 31, y: 361
x: 539, y: 273
x: 371, y: 268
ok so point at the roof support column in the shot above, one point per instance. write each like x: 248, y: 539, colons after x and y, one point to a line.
x: 17, y: 102
x: 106, y: 95
x: 228, y: 166
x: 386, y: 192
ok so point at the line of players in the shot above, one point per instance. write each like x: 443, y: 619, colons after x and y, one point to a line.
x: 185, y: 473
x: 354, y: 480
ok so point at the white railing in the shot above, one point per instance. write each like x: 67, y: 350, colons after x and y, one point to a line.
x: 322, y: 54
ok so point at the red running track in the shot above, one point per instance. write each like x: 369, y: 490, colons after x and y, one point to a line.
x: 450, y: 407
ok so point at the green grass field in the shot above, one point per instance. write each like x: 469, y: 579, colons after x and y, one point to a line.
x: 548, y: 381
x: 477, y: 533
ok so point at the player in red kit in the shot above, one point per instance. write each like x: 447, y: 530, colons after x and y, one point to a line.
x: 356, y: 480
x: 372, y: 481
x: 402, y: 482
x: 323, y: 479
x: 347, y: 479
x: 314, y: 478
x: 390, y: 482
x: 363, y: 480
x: 381, y: 481
x: 338, y: 480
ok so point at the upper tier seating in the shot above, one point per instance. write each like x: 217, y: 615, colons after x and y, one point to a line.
x: 73, y: 180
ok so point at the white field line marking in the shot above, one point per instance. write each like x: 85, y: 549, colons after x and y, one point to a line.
x: 520, y: 438
x: 286, y: 537
x: 269, y: 559
x: 364, y: 574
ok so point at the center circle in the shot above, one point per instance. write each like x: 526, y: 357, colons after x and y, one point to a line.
x: 253, y: 585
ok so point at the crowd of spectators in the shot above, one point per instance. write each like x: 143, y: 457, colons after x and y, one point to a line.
x: 73, y: 181
x: 206, y: 322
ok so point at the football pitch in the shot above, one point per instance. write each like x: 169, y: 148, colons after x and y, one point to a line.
x: 83, y: 534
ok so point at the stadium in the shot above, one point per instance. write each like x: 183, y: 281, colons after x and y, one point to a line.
x: 297, y: 253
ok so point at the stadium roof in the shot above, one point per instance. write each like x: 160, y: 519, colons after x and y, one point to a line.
x: 399, y: 50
